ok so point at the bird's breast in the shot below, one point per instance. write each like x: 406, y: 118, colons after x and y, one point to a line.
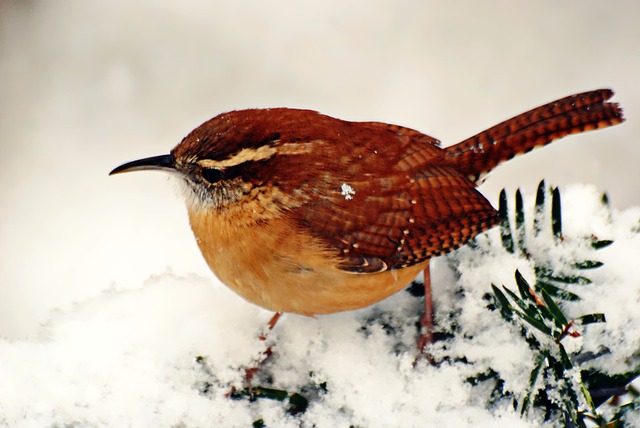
x: 278, y: 267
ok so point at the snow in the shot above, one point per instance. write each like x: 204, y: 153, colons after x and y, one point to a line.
x: 127, y: 357
x: 347, y: 191
x: 110, y: 317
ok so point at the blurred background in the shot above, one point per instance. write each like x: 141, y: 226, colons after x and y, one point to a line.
x: 86, y: 85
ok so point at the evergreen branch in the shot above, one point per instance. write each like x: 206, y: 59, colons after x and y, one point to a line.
x: 536, y: 307
x: 556, y: 213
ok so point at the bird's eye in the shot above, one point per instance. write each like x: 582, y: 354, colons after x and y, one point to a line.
x: 212, y: 175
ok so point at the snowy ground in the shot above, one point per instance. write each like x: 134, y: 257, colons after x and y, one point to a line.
x: 105, y: 302
x: 128, y: 357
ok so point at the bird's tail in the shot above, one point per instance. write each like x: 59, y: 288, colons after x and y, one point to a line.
x: 478, y: 155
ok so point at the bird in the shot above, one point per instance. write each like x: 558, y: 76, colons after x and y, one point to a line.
x: 300, y: 212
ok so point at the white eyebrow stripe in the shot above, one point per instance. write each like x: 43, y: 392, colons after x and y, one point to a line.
x: 258, y: 154
x: 244, y: 155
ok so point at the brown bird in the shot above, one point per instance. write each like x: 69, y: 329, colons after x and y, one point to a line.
x: 305, y: 213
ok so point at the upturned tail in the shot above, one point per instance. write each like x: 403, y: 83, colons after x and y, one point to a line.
x: 478, y: 155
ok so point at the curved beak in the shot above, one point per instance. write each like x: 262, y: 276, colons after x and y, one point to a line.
x: 160, y: 163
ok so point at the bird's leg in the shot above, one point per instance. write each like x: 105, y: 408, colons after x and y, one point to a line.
x: 250, y: 372
x: 272, y: 323
x: 426, y: 323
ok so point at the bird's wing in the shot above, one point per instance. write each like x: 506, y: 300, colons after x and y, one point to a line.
x: 397, y: 216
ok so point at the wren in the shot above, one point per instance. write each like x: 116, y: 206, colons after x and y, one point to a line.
x: 301, y: 212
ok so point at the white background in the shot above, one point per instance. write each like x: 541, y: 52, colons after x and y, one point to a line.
x: 86, y: 85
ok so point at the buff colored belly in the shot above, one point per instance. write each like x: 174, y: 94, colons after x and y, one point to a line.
x: 280, y: 270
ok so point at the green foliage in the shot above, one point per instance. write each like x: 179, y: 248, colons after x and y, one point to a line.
x: 553, y: 365
x: 296, y: 402
x: 565, y: 393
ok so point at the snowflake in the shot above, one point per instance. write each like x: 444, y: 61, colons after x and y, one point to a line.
x: 347, y: 191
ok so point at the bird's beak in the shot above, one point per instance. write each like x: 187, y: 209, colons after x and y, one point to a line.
x: 159, y: 163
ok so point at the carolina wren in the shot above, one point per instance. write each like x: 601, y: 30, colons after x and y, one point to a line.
x: 301, y: 212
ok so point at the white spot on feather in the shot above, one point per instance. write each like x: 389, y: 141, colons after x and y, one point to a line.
x: 347, y: 191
